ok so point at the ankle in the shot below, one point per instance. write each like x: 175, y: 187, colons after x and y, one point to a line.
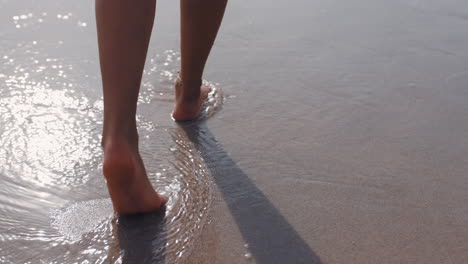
x: 118, y: 163
x: 113, y: 139
x: 189, y: 80
x: 188, y: 90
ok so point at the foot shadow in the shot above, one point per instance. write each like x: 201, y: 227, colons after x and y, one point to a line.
x: 270, y: 237
x: 142, y: 238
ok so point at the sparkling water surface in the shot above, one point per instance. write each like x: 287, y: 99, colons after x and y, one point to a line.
x: 54, y: 206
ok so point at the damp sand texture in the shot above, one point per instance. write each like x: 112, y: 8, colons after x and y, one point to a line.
x: 342, y: 137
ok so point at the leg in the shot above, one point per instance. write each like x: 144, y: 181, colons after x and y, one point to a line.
x: 200, y: 21
x: 124, y: 29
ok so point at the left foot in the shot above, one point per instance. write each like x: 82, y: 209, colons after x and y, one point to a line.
x: 188, y: 106
x: 129, y: 187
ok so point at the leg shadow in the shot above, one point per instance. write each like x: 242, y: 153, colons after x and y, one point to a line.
x: 142, y: 238
x: 270, y: 237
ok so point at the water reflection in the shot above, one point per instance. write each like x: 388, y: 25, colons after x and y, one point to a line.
x: 53, y: 197
x: 54, y: 206
x: 42, y: 126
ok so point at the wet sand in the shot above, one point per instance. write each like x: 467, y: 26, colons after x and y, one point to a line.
x: 343, y: 137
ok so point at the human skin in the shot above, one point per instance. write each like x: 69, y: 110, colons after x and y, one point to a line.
x: 124, y: 30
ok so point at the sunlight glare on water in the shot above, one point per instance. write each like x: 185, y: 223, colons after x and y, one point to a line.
x: 53, y: 197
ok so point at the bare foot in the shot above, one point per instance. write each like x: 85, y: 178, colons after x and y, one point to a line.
x: 188, y: 106
x: 129, y: 187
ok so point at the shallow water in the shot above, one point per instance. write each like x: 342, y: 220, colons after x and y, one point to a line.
x: 53, y: 197
x: 54, y: 205
x: 343, y: 136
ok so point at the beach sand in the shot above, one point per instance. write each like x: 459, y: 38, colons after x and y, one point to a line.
x: 342, y: 138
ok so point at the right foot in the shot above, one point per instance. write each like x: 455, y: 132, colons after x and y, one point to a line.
x: 130, y: 190
x: 188, y: 107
